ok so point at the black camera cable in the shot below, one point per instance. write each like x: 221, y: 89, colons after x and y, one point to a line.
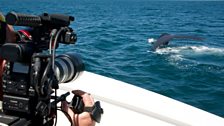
x: 52, y: 45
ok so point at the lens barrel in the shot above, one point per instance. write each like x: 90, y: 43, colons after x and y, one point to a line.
x: 68, y: 67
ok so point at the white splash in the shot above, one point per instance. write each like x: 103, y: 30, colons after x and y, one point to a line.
x: 186, y: 56
x: 151, y: 40
x: 168, y: 50
x: 207, y: 50
x: 191, y: 50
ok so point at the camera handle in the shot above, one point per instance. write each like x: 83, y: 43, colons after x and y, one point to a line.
x: 77, y: 105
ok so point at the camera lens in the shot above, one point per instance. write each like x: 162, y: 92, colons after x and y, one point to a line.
x: 68, y: 67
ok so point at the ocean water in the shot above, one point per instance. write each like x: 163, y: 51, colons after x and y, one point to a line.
x: 114, y: 39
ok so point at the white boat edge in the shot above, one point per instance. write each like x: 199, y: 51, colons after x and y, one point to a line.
x: 127, y: 105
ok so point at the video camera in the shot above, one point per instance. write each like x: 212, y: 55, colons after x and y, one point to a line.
x: 31, y: 73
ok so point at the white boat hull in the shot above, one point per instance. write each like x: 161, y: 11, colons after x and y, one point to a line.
x: 128, y: 105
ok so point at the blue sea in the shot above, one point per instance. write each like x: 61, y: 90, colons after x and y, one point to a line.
x: 114, y: 39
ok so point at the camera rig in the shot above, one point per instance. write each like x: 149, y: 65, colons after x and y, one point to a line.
x: 32, y: 74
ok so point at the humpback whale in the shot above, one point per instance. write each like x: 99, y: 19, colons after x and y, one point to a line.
x: 165, y: 38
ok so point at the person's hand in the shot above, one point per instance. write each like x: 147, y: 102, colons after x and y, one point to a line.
x: 10, y: 34
x: 84, y: 118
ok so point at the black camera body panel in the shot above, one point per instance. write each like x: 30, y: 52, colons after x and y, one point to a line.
x: 29, y: 76
x: 15, y: 82
x: 16, y: 104
x: 18, y: 94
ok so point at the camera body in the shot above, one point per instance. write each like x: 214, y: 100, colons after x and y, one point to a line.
x: 30, y: 73
x: 19, y: 93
